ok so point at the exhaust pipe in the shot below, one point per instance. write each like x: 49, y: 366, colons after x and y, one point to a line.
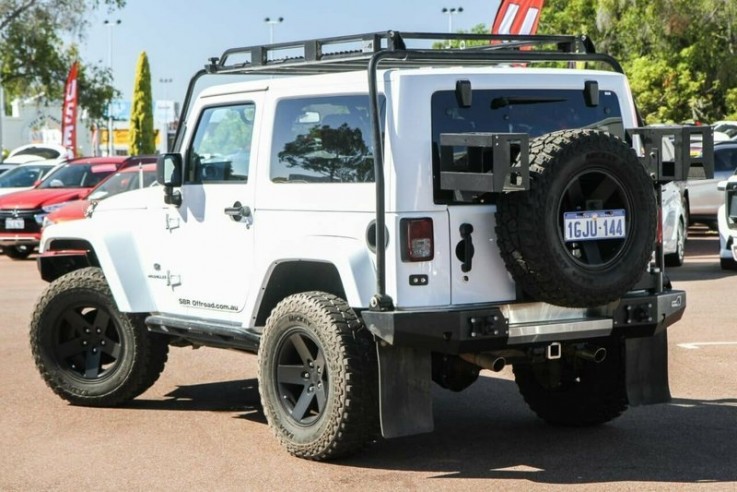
x: 486, y: 361
x: 593, y: 354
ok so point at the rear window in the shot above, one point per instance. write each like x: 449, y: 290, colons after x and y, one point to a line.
x: 535, y: 112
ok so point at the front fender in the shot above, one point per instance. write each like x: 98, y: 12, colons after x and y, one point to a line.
x: 116, y: 253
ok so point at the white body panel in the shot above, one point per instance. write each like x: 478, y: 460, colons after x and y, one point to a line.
x: 195, y: 260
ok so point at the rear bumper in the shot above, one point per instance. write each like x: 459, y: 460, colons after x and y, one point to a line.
x: 31, y: 239
x: 490, y: 327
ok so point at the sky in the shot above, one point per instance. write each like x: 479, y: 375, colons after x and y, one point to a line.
x: 179, y: 36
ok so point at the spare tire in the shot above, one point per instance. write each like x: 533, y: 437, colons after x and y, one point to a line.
x: 554, y: 239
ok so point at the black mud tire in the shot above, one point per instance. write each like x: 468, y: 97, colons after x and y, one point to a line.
x: 318, y: 377
x: 575, y: 392
x: 87, y: 351
x: 571, y: 171
x: 677, y: 258
x: 727, y: 264
x: 18, y: 252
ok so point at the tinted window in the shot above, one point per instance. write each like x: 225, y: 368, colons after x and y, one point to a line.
x: 534, y: 112
x: 725, y: 158
x: 323, y: 140
x: 221, y: 149
x: 23, y: 176
x: 78, y: 176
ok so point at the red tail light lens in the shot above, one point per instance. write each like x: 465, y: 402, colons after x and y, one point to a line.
x: 417, y: 239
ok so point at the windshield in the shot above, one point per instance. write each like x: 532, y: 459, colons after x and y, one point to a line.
x: 24, y: 176
x: 123, y: 181
x: 78, y: 176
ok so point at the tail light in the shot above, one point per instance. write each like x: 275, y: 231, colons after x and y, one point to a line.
x: 417, y: 239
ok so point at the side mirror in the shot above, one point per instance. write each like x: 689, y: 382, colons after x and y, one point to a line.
x: 169, y: 174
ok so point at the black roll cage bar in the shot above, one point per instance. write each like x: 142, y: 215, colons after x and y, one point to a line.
x: 319, y: 56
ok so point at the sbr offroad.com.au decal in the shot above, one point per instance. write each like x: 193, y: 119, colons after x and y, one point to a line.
x: 207, y: 305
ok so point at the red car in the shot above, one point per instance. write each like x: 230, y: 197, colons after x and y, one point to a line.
x: 22, y: 213
x: 130, y: 178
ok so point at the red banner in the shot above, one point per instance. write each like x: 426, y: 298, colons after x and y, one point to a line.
x: 69, y: 111
x: 517, y: 17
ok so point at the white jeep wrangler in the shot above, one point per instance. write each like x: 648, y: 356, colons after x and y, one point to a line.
x: 369, y: 217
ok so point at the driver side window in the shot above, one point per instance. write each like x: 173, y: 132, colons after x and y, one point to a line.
x: 221, y: 149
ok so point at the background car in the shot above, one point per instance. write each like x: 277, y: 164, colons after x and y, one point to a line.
x: 37, y: 152
x: 130, y: 178
x: 675, y: 223
x: 24, y: 176
x: 22, y: 213
x: 727, y: 223
x: 703, y: 196
x: 727, y: 127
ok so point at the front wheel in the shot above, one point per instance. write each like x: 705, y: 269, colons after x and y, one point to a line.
x: 18, y: 252
x: 87, y: 351
x: 318, y: 377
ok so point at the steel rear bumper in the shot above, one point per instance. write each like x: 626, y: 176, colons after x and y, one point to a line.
x: 486, y: 327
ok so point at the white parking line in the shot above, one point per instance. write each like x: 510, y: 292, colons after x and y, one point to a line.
x: 697, y: 345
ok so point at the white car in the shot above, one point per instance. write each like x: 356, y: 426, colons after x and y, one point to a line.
x: 37, y: 152
x: 25, y: 176
x: 727, y: 222
x: 675, y: 223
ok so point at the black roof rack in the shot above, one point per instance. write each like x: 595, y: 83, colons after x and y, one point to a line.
x: 351, y: 53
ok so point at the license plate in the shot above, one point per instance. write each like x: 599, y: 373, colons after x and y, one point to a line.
x: 14, y: 224
x: 593, y: 224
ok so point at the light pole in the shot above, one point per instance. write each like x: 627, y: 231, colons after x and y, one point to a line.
x: 111, y: 145
x: 165, y: 81
x: 450, y: 12
x: 272, y: 22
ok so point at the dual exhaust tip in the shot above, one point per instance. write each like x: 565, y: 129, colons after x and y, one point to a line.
x: 497, y: 361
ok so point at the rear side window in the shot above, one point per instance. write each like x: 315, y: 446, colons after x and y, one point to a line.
x: 535, y: 112
x: 323, y: 140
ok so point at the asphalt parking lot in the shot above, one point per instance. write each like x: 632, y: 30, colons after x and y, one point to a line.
x: 200, y: 427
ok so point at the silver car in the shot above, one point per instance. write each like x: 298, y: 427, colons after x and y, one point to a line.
x: 703, y: 196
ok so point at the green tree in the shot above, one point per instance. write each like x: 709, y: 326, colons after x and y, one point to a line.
x: 141, y: 138
x: 35, y: 61
x: 477, y: 29
x: 680, y: 55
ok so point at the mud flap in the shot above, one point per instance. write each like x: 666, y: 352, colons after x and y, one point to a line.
x: 405, y: 400
x: 647, y: 370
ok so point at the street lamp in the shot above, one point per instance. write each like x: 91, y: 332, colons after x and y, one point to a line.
x: 110, y: 24
x: 272, y: 22
x: 450, y: 12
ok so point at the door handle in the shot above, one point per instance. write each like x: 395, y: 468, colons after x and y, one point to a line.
x: 238, y: 211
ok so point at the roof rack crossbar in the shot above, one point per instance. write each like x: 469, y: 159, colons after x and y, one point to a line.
x: 364, y: 45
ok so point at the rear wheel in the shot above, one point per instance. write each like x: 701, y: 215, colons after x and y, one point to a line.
x: 575, y: 392
x: 318, y: 377
x: 18, y: 252
x: 87, y: 351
